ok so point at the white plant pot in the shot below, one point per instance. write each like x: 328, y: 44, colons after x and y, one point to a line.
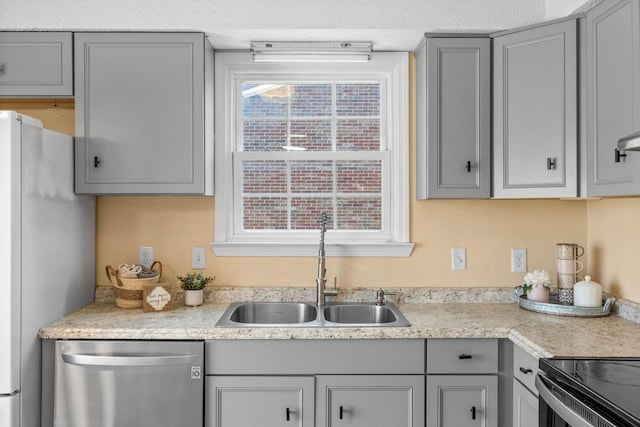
x: 193, y: 298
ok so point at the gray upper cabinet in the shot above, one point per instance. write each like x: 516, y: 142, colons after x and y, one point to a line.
x: 535, y: 112
x: 453, y: 118
x: 36, y: 64
x: 613, y: 96
x: 144, y: 113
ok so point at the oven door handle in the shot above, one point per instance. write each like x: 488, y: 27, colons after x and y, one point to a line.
x: 556, y: 404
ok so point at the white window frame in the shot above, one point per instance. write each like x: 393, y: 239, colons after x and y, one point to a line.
x: 231, y: 69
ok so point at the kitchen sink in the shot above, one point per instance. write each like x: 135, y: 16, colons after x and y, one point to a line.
x: 272, y: 313
x: 359, y: 313
x: 305, y: 314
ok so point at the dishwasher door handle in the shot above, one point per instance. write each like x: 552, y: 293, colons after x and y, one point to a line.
x: 97, y: 360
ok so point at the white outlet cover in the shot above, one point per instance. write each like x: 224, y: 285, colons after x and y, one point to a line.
x: 145, y: 256
x: 518, y: 260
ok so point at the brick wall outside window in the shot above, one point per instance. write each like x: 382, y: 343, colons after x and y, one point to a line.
x: 290, y: 194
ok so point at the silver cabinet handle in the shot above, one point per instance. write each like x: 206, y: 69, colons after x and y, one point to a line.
x: 91, y: 360
x: 557, y: 405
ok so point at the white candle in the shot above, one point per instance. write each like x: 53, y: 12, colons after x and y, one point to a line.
x: 587, y: 293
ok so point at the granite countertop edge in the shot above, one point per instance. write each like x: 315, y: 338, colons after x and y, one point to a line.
x: 541, y: 335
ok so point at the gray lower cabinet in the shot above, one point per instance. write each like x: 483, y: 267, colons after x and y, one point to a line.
x: 462, y: 400
x: 144, y: 113
x: 453, y: 110
x: 535, y: 112
x: 613, y: 96
x: 370, y: 400
x: 525, y: 406
x: 322, y: 383
x: 36, y: 64
x: 238, y: 401
x: 525, y: 395
x: 462, y: 382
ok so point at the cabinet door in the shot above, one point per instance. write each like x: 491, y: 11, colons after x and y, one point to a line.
x: 140, y: 113
x: 535, y: 112
x: 36, y: 64
x: 370, y: 401
x: 453, y: 118
x: 613, y: 96
x: 462, y: 400
x: 259, y: 401
x: 525, y: 406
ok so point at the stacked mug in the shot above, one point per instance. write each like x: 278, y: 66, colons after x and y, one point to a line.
x: 568, y: 267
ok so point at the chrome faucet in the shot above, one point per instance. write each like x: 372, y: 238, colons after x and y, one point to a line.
x: 321, y: 279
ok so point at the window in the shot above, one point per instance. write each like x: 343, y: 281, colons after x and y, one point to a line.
x: 296, y: 140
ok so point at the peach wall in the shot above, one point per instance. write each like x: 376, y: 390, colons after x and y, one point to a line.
x: 55, y: 114
x: 487, y: 228
x: 614, y: 245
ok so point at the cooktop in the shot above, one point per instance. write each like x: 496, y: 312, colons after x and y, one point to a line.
x: 613, y: 383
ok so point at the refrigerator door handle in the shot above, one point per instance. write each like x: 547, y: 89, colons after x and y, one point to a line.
x: 92, y: 360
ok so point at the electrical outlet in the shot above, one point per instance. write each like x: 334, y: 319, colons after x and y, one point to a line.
x: 458, y: 259
x: 198, y: 261
x: 145, y: 256
x: 518, y: 260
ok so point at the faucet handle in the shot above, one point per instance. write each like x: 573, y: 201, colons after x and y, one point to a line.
x: 332, y: 292
x: 380, y: 296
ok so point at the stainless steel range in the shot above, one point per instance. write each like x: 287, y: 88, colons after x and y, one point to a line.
x: 589, y: 392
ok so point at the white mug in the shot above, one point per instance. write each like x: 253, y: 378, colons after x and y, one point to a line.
x: 569, y: 266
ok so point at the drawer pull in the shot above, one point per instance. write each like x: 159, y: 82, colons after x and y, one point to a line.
x: 473, y: 412
x: 525, y: 370
x: 465, y: 356
x: 288, y: 414
x: 341, y: 412
x: 96, y: 161
x: 468, y: 166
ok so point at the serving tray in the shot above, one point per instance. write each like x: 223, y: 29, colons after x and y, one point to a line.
x: 554, y: 307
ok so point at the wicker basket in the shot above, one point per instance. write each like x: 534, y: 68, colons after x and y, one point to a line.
x: 128, y: 292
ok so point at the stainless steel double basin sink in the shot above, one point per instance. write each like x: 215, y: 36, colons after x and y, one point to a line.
x: 310, y: 315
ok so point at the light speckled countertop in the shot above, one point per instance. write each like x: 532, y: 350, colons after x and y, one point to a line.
x: 540, y: 334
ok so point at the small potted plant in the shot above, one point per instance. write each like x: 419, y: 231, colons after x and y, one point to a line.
x: 536, y: 285
x: 193, y: 285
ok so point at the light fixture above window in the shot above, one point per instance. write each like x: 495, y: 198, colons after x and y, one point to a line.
x: 311, y: 51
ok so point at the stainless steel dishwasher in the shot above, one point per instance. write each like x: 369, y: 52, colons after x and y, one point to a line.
x: 129, y: 383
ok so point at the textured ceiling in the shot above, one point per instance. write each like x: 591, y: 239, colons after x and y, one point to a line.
x: 232, y: 24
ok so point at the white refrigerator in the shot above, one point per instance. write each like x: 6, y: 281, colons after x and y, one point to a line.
x: 47, y: 255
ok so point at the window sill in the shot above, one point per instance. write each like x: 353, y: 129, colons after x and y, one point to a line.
x: 401, y: 250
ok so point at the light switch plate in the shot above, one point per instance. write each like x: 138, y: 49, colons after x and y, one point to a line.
x: 198, y: 261
x: 458, y: 259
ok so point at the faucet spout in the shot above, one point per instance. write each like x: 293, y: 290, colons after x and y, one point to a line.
x: 321, y: 279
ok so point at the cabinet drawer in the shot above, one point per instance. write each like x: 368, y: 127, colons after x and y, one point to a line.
x: 462, y: 356
x: 35, y: 64
x: 525, y: 367
x: 308, y: 357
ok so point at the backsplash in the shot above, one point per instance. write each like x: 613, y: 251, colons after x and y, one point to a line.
x: 624, y: 308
